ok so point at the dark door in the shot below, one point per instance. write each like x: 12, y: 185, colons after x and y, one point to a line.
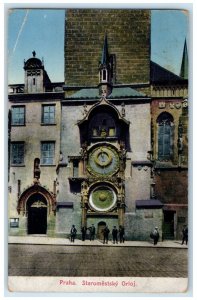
x: 37, y: 220
x: 37, y: 214
x: 168, y: 226
x: 101, y: 226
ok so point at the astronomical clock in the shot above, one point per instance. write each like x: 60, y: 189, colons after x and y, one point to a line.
x: 103, y: 161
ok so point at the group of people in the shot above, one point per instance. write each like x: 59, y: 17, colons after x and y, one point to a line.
x: 155, y: 235
x: 118, y: 232
x: 92, y: 231
x: 115, y: 233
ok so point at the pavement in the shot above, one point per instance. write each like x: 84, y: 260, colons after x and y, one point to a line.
x: 45, y: 240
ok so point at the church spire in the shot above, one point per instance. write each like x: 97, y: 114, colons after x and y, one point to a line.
x: 105, y: 53
x: 184, y: 64
x: 105, y: 70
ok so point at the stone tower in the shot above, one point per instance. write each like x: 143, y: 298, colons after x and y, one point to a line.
x: 128, y: 33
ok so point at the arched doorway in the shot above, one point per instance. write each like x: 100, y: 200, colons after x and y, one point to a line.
x: 37, y: 214
x: 101, y: 226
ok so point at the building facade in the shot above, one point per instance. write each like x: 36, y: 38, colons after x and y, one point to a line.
x: 106, y: 147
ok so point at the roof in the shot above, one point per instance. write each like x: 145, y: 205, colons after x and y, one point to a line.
x: 117, y: 92
x: 161, y: 75
x: 149, y: 203
x: 33, y: 63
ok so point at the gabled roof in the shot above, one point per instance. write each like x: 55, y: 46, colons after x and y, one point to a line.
x: 161, y: 75
x: 117, y: 92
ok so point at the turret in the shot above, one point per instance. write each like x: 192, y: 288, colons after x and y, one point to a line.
x: 36, y: 78
x: 105, y: 70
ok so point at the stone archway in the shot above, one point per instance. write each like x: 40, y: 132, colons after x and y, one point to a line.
x: 33, y: 190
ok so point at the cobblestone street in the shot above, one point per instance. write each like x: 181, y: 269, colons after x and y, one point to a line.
x: 63, y: 260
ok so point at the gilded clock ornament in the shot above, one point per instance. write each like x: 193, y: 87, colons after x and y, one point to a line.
x: 103, y: 161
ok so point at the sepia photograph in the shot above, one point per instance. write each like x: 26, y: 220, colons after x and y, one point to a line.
x: 98, y: 150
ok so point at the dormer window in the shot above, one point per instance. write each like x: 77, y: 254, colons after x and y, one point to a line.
x: 104, y: 75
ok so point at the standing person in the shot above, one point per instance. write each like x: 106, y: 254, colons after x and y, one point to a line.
x: 83, y: 233
x: 115, y: 235
x: 185, y: 235
x: 92, y: 232
x: 73, y: 233
x: 155, y: 235
x: 106, y: 232
x: 121, y: 234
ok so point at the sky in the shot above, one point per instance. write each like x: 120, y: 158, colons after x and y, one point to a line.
x: 42, y: 30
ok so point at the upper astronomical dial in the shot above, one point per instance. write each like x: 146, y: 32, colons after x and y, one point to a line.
x: 103, y: 160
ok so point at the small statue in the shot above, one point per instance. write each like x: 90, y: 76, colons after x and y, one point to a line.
x: 123, y: 109
x: 37, y: 168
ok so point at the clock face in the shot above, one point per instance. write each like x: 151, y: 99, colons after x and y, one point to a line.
x: 102, y: 198
x: 103, y: 160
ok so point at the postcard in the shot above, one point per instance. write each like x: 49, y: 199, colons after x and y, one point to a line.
x: 98, y: 150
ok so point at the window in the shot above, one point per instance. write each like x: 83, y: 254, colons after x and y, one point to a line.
x: 165, y: 136
x: 18, y: 115
x: 17, y: 153
x: 47, y: 153
x: 75, y: 168
x: 48, y: 114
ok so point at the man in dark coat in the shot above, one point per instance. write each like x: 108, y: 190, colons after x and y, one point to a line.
x: 115, y: 235
x: 83, y: 233
x: 185, y: 235
x: 92, y: 232
x: 73, y: 233
x: 106, y: 232
x: 121, y: 234
x: 155, y: 235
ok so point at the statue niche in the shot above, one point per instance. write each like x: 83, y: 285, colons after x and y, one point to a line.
x: 37, y: 169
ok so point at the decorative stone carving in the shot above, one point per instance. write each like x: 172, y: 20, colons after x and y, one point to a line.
x: 162, y: 104
x: 178, y: 105
x: 172, y: 105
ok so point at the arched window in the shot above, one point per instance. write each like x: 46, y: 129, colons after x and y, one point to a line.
x: 165, y: 136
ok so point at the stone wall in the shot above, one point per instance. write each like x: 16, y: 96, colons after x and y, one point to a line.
x: 139, y: 225
x: 128, y: 33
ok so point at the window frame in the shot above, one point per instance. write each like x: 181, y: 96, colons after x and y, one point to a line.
x: 43, y: 122
x: 21, y: 163
x: 47, y: 163
x: 24, y: 115
x: 165, y: 119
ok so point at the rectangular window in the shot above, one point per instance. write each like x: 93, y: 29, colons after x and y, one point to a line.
x: 47, y: 153
x: 48, y: 114
x: 14, y: 222
x: 18, y: 115
x: 17, y: 153
x: 75, y: 168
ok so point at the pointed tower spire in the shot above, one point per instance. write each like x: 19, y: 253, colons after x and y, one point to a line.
x: 105, y: 71
x: 105, y: 53
x: 184, y: 64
